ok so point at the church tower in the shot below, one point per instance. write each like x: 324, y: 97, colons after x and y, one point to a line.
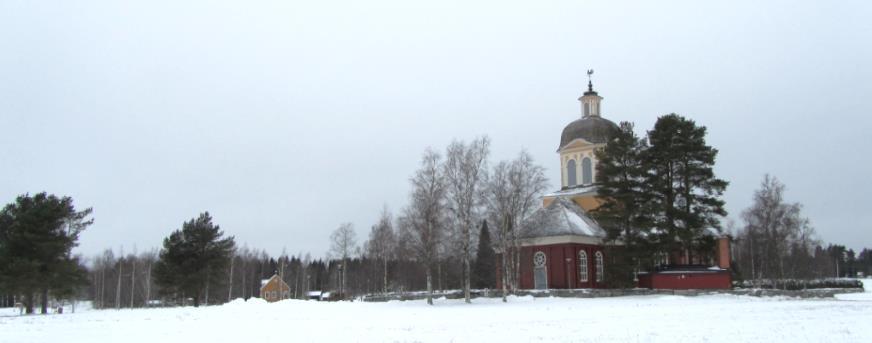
x: 578, y: 142
x: 590, y: 102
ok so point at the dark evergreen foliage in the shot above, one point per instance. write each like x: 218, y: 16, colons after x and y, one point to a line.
x: 194, y: 258
x: 37, y: 234
x: 658, y: 195
x: 623, y: 213
x: 484, y: 271
x: 684, y: 194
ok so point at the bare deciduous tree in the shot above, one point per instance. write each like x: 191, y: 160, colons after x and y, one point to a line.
x: 465, y: 172
x: 343, y: 242
x: 512, y: 193
x: 776, y: 242
x: 424, y: 216
x: 382, y: 244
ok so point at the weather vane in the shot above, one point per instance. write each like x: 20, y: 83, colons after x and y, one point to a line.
x: 589, y: 82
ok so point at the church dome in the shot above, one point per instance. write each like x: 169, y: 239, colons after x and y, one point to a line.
x: 594, y: 129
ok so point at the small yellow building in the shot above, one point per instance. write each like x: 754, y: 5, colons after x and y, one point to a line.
x: 274, y: 289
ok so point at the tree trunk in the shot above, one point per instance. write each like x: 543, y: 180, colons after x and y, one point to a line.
x: 751, y: 248
x: 429, y: 286
x: 148, y: 284
x: 342, y: 285
x: 466, y: 278
x: 206, y: 300
x: 439, y: 274
x: 505, y: 272
x: 118, y: 288
x: 103, y: 287
x: 132, y: 281
x: 28, y: 302
x: 44, y: 303
x: 96, y: 283
x: 282, y: 277
x: 466, y: 272
x: 385, y: 287
x: 516, y: 272
x: 230, y: 282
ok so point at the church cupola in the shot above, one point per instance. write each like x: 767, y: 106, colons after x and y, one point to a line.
x: 590, y: 100
x: 580, y: 140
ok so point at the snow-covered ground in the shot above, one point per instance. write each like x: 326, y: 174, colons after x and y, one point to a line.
x: 710, y: 318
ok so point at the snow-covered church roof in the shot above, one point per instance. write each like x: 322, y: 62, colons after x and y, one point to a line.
x: 561, y: 217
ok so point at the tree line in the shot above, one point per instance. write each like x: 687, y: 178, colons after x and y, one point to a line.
x: 443, y: 232
x: 440, y: 240
x: 777, y: 243
x: 659, y: 194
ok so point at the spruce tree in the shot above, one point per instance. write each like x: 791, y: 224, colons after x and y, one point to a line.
x: 683, y: 190
x: 620, y: 179
x: 484, y: 271
x: 623, y: 213
x: 193, y: 258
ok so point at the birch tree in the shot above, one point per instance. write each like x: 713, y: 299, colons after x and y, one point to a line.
x: 465, y: 172
x: 512, y: 193
x: 775, y: 235
x: 424, y: 216
x: 382, y: 243
x: 343, y: 241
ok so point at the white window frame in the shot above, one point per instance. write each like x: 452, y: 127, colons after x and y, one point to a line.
x: 599, y: 266
x: 571, y: 173
x: 586, y: 171
x: 582, y: 266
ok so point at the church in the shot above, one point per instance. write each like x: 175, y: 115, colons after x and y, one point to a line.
x: 563, y: 247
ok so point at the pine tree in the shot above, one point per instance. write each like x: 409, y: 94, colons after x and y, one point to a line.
x: 484, y: 271
x: 192, y: 258
x: 620, y: 179
x: 685, y: 194
x: 37, y: 234
x: 623, y: 213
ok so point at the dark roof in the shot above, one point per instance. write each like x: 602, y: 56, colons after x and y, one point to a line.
x: 594, y: 129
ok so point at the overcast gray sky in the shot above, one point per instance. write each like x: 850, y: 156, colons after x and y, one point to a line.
x: 285, y: 119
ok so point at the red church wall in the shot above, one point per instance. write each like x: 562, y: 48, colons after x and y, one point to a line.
x: 690, y: 280
x: 724, y: 252
x: 561, y: 262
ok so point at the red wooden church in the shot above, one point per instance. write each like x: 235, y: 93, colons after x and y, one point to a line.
x: 562, y: 247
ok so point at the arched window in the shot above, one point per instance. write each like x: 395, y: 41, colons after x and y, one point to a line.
x: 582, y: 266
x: 570, y: 173
x: 539, y: 259
x: 599, y: 266
x: 586, y: 171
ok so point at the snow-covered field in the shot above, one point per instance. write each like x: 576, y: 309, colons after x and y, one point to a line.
x: 711, y: 318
